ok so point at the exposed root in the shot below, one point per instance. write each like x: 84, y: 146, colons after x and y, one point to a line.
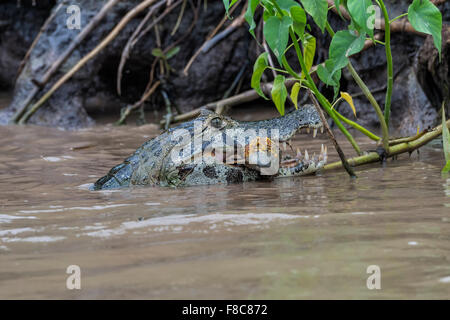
x: 39, y: 84
x: 408, y: 145
x: 111, y: 36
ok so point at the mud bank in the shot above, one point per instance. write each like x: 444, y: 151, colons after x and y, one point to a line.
x: 92, y: 91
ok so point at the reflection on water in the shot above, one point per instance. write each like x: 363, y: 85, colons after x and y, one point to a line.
x: 311, y: 237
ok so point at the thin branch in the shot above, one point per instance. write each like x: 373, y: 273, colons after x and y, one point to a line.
x: 36, y: 39
x: 341, y: 154
x: 111, y: 36
x: 132, y: 42
x: 397, y: 149
x: 38, y: 84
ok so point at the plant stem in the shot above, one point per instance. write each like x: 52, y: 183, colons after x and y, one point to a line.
x: 399, y: 17
x: 390, y: 66
x: 374, y: 103
x: 357, y: 127
x: 341, y: 154
x: 323, y: 101
x: 395, y: 150
x: 369, y: 96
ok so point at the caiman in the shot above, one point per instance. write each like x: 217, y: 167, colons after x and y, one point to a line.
x: 214, y: 149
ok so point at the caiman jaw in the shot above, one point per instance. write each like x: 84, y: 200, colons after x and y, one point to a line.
x: 301, y: 163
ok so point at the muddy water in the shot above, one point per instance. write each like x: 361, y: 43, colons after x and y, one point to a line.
x: 311, y: 237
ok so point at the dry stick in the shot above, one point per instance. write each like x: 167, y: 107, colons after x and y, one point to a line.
x: 209, y: 37
x: 111, y: 36
x: 131, y: 42
x: 225, y: 33
x: 180, y: 17
x: 247, y: 96
x: 331, y: 135
x: 36, y: 39
x: 144, y: 97
x: 159, y: 18
x: 61, y: 59
x: 397, y: 149
x: 149, y: 90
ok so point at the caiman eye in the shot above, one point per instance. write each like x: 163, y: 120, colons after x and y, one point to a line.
x: 216, y: 123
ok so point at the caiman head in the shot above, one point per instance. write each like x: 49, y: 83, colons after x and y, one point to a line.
x: 217, y: 149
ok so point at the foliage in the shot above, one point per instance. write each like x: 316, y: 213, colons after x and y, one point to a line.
x: 285, y: 27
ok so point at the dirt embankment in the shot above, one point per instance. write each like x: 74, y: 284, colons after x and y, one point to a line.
x: 421, y: 80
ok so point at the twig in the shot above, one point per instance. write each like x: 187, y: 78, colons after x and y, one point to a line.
x: 331, y: 135
x: 62, y: 58
x: 111, y: 36
x: 209, y: 37
x: 225, y: 33
x: 403, y: 147
x: 131, y: 43
x: 130, y: 108
x: 180, y: 17
x: 36, y: 39
x: 150, y: 89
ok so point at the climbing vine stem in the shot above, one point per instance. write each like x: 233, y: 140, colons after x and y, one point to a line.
x: 390, y: 65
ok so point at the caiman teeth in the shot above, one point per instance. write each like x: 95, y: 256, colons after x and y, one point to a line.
x: 306, y: 155
x: 308, y: 130
x: 321, y: 129
x: 299, y: 153
x: 314, y: 132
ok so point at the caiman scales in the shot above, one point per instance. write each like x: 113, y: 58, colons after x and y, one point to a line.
x: 214, y: 149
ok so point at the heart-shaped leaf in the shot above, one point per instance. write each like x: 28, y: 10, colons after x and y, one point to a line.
x: 361, y: 13
x: 279, y: 93
x: 426, y: 17
x: 318, y: 10
x: 298, y: 16
x: 294, y: 94
x: 258, y: 70
x: 249, y: 16
x: 343, y: 45
x: 309, y: 51
x: 276, y: 33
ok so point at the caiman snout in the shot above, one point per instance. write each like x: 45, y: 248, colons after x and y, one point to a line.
x: 217, y: 149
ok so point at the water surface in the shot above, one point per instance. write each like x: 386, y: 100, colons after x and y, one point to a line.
x: 310, y: 237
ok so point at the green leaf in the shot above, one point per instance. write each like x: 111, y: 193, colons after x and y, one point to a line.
x: 249, y: 16
x: 362, y: 15
x: 294, y: 94
x: 157, y: 52
x: 287, y: 4
x: 298, y: 16
x: 279, y: 93
x: 337, y: 4
x: 172, y: 52
x: 309, y: 51
x: 343, y: 45
x: 446, y: 168
x: 445, y: 136
x: 318, y: 10
x: 228, y: 5
x: 425, y: 17
x: 324, y: 73
x: 326, y: 76
x: 276, y: 33
x: 258, y: 70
